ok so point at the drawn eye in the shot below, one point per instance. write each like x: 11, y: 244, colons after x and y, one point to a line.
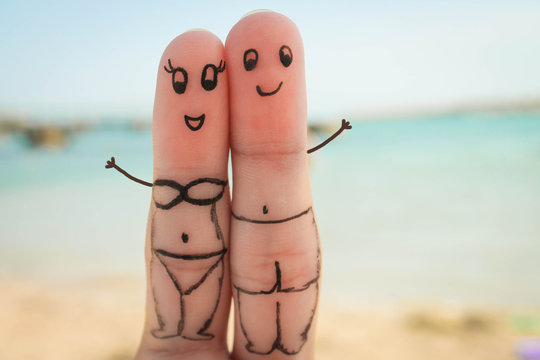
x: 250, y: 59
x: 179, y: 77
x: 179, y: 80
x: 210, y: 70
x: 209, y: 84
x: 285, y: 55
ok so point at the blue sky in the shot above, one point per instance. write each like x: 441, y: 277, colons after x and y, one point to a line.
x: 95, y: 59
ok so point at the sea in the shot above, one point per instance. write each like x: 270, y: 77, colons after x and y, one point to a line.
x: 436, y: 208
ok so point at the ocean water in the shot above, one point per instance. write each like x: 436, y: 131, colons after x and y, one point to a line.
x: 443, y: 208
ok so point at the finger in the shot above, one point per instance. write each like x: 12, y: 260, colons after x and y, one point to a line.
x: 188, y: 294
x: 275, y: 259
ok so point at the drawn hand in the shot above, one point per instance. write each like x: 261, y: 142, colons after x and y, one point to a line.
x: 274, y: 259
x: 110, y: 163
x: 345, y: 125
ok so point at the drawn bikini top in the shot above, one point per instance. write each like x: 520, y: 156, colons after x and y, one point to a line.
x: 183, y: 192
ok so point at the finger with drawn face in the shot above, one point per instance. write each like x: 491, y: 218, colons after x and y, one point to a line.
x: 187, y: 237
x: 275, y: 257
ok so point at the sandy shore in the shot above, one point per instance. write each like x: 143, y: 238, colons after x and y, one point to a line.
x: 102, y: 319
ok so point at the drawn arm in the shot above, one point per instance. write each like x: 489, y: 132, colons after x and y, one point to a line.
x: 111, y: 164
x: 344, y: 125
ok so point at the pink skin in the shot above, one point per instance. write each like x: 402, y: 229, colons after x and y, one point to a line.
x: 277, y: 120
x: 272, y: 125
x: 271, y: 183
x: 177, y: 146
x: 182, y: 154
x: 274, y: 267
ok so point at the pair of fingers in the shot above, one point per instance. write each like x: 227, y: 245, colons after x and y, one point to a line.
x: 261, y: 249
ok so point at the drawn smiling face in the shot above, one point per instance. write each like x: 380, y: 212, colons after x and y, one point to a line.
x: 251, y: 57
x: 191, y: 105
x: 268, y: 91
x: 209, y: 80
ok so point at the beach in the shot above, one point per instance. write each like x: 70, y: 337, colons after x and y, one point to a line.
x: 101, y: 319
x: 427, y: 210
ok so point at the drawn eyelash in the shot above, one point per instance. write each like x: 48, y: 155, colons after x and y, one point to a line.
x: 179, y: 83
x: 171, y: 69
x: 221, y: 69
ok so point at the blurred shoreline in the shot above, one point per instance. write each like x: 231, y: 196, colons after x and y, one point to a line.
x: 56, y: 133
x: 413, y: 195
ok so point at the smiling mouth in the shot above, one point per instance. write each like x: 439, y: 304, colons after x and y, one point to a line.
x: 194, y: 123
x: 262, y: 93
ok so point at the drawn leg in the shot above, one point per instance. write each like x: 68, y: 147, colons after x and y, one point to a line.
x: 273, y: 235
x: 167, y: 301
x: 260, y: 332
x: 297, y: 311
x: 190, y: 137
x: 200, y: 306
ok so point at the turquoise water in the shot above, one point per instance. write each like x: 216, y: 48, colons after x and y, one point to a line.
x: 444, y: 208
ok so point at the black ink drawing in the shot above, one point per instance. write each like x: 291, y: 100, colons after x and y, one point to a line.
x: 308, y: 291
x: 270, y: 93
x: 250, y: 61
x: 112, y: 164
x: 179, y: 77
x: 285, y: 55
x: 187, y: 271
x: 197, y: 122
x: 345, y: 125
x: 251, y: 57
x: 282, y: 294
x: 209, y: 81
x: 210, y: 84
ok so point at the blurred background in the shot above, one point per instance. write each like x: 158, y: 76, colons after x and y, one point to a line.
x: 429, y: 208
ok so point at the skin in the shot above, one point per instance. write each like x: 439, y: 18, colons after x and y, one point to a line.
x: 270, y: 171
x: 267, y: 136
x: 183, y: 155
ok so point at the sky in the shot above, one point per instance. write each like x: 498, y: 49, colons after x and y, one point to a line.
x: 71, y: 60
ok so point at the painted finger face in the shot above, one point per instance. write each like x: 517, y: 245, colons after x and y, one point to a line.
x: 179, y: 77
x: 251, y: 57
x: 191, y: 105
x: 268, y: 92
